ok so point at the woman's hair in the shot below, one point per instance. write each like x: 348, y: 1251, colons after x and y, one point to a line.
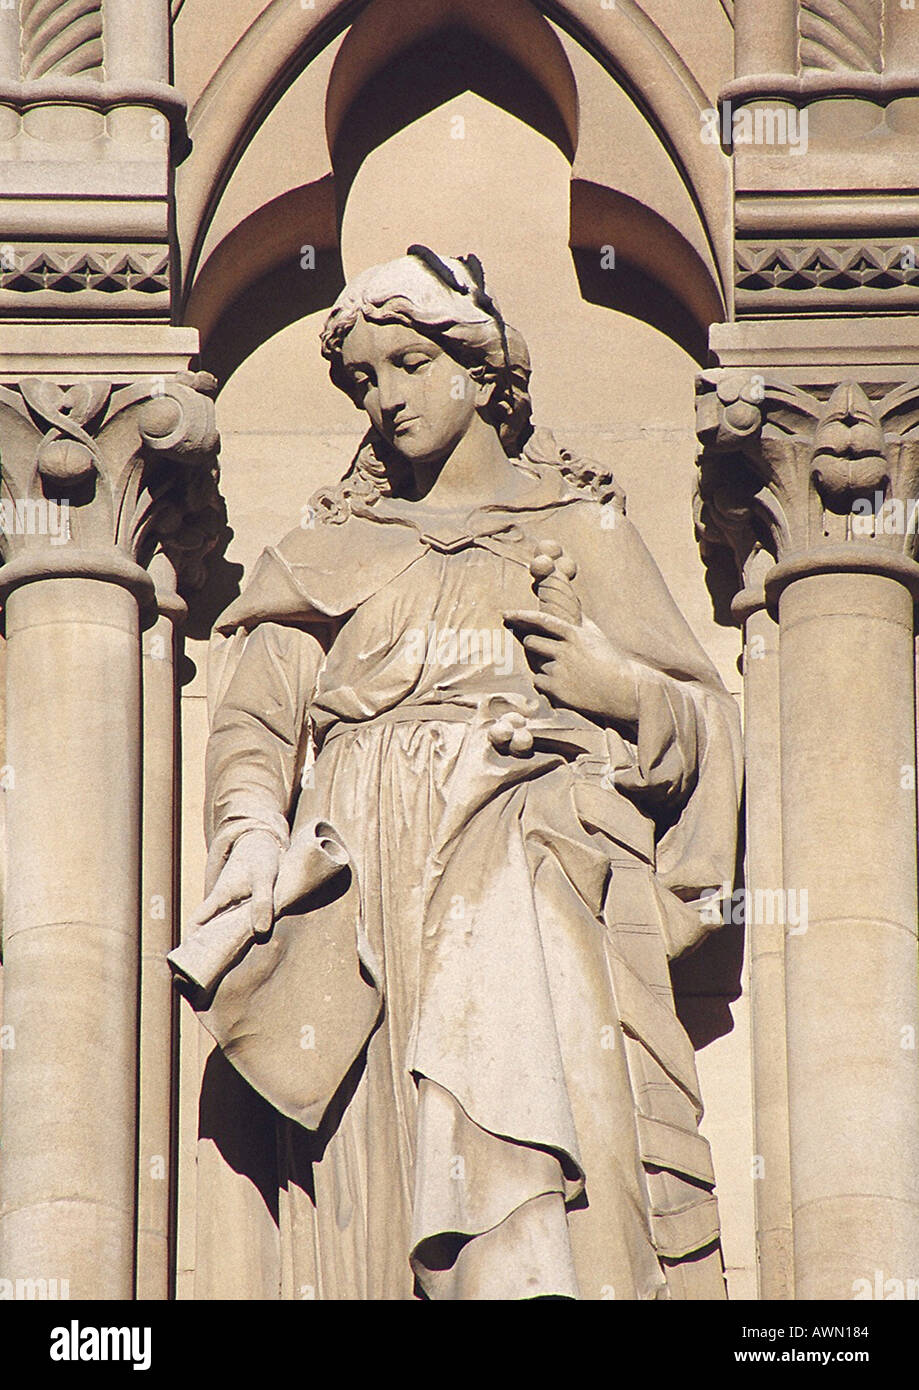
x: 444, y: 299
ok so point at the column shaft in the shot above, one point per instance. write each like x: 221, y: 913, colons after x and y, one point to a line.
x: 155, y: 1170
x: 766, y: 945
x: 765, y: 37
x: 136, y: 37
x: 849, y: 840
x: 67, y: 1164
x: 9, y: 44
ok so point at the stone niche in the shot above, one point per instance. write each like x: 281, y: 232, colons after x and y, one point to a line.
x: 496, y: 158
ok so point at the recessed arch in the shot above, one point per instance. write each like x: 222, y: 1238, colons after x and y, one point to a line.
x: 444, y: 34
x: 253, y: 284
x: 377, y: 89
x: 398, y: 61
x: 657, y: 275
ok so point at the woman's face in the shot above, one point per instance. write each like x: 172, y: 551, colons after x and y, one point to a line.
x: 419, y: 398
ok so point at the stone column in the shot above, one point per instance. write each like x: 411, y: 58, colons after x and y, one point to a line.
x: 9, y: 45
x: 92, y: 469
x: 766, y: 944
x: 836, y: 469
x: 159, y: 905
x: 70, y: 930
x: 136, y: 40
x: 136, y: 35
x: 851, y: 977
x: 725, y: 527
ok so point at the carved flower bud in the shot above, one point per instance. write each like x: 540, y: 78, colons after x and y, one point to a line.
x: 549, y: 559
x: 838, y: 477
x: 729, y: 388
x: 742, y: 417
x: 521, y: 742
x: 160, y: 417
x: 553, y: 572
x: 510, y: 734
x: 849, y: 453
x: 65, y: 460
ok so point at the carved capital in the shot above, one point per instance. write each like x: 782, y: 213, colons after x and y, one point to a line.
x: 98, y: 477
x: 831, y: 475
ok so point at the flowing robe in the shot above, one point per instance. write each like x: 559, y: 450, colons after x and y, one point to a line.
x: 482, y: 1087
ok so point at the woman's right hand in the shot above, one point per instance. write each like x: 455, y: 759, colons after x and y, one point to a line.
x: 248, y: 874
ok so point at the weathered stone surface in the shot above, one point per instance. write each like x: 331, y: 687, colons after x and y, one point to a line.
x: 657, y: 189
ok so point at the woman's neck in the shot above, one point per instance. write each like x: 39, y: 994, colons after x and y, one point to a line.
x: 473, y: 473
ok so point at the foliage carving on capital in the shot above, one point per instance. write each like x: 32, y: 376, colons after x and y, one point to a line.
x: 732, y: 545
x: 788, y: 471
x: 835, y: 35
x: 96, y: 464
x: 63, y: 37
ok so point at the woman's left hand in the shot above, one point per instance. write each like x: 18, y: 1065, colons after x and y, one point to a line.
x: 577, y: 665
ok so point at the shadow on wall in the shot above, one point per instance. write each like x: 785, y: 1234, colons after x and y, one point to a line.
x: 708, y: 980
x: 640, y: 296
x: 428, y: 74
x: 281, y: 297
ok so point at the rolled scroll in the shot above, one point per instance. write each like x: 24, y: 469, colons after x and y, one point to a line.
x: 314, y: 856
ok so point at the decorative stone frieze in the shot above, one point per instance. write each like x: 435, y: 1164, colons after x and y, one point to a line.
x: 783, y: 275
x: 80, y: 280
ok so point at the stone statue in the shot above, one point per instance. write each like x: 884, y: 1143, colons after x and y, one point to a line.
x: 469, y: 779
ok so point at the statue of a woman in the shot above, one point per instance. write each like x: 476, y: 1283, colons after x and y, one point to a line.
x: 465, y: 694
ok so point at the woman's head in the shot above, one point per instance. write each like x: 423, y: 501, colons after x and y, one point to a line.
x: 421, y: 347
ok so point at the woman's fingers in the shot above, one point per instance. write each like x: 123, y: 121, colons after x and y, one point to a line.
x: 223, y: 894
x: 541, y: 646
x: 539, y: 621
x: 545, y: 682
x: 262, y: 907
x: 248, y: 874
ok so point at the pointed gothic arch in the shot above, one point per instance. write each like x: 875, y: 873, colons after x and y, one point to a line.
x: 241, y: 284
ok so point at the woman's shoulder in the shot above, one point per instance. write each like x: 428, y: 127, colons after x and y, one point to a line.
x: 321, y: 570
